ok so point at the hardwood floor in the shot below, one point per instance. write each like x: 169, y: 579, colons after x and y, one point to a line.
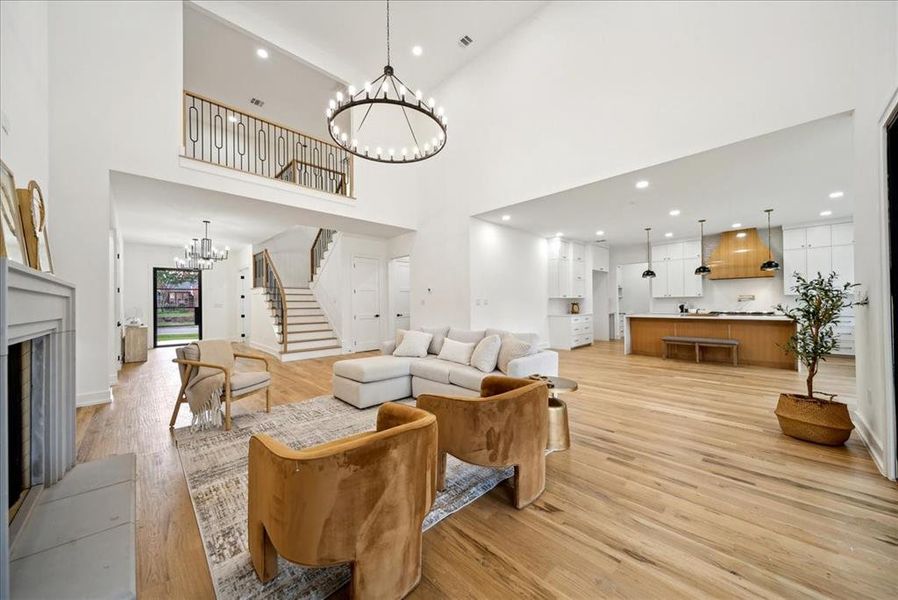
x: 678, y: 483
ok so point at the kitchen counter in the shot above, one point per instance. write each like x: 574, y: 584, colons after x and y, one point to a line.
x: 761, y: 337
x: 705, y: 317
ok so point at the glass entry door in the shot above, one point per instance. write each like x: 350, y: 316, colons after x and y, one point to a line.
x: 177, y: 306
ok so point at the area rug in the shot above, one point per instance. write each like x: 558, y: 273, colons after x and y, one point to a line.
x: 215, y: 464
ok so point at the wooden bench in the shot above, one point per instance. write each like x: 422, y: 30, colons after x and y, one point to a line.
x: 698, y: 342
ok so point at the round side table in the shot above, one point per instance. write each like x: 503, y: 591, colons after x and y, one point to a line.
x: 559, y: 430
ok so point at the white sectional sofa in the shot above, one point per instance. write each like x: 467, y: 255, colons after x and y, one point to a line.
x: 364, y: 382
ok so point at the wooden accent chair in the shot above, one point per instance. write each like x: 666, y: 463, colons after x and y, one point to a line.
x: 236, y: 385
x: 361, y: 499
x: 506, y: 426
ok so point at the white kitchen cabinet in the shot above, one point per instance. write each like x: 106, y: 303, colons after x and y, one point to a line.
x: 793, y: 239
x: 820, y: 260
x: 601, y: 261
x: 676, y: 287
x: 842, y: 234
x: 794, y: 260
x: 570, y: 331
x: 693, y: 284
x: 660, y: 281
x: 843, y: 263
x: 566, y: 273
x: 578, y: 283
x: 692, y: 249
x: 578, y: 252
x: 819, y: 236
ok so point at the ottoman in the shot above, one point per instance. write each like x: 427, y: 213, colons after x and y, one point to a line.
x: 364, y: 382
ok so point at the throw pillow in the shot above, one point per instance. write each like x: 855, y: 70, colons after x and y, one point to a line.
x: 414, y: 343
x: 457, y: 352
x: 439, y: 334
x: 513, y: 348
x: 400, y: 333
x: 465, y: 335
x: 486, y: 354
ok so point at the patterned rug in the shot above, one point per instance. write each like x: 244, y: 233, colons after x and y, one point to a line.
x: 215, y: 464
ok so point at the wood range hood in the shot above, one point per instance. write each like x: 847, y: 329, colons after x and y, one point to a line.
x: 739, y: 256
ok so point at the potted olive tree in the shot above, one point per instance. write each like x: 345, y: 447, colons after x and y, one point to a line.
x: 816, y: 313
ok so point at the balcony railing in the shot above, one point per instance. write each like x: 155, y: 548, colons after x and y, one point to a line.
x: 223, y: 135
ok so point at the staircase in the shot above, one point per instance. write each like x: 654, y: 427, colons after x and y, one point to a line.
x: 301, y: 327
x: 321, y: 249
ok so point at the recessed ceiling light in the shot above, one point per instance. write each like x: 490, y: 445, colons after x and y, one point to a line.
x: 835, y: 195
x: 641, y: 185
x: 262, y: 53
x: 675, y: 212
x: 737, y: 225
x: 826, y: 213
x: 417, y: 50
x: 559, y: 234
x: 741, y: 234
x: 600, y: 232
x: 506, y: 217
x: 668, y: 234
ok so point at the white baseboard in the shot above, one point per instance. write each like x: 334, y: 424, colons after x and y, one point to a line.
x: 276, y: 352
x: 874, y: 446
x: 93, y: 398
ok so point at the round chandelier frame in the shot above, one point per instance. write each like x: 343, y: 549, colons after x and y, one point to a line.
x: 388, y: 89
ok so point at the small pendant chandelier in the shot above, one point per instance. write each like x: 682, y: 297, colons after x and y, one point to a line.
x: 426, y: 122
x: 201, y: 254
x: 702, y: 269
x: 769, y: 264
x: 648, y: 273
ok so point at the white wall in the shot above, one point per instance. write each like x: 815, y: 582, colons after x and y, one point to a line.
x: 875, y: 29
x: 220, y: 294
x: 24, y: 98
x: 509, y: 287
x: 290, y: 252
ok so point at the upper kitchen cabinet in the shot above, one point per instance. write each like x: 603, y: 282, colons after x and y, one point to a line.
x: 601, y: 261
x: 675, y: 266
x: 817, y: 249
x: 566, y: 269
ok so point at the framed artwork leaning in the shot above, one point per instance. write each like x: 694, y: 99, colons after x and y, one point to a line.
x: 34, y: 220
x: 11, y: 230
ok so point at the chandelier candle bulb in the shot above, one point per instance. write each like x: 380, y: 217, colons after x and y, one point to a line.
x: 339, y: 97
x: 333, y: 104
x: 351, y: 91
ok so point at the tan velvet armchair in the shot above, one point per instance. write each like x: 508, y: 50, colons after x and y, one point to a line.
x: 506, y: 426
x: 361, y: 499
x: 236, y: 385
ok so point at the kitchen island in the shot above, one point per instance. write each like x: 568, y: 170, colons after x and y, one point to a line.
x: 761, y: 337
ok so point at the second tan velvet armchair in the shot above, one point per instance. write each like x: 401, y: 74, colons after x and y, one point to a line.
x: 506, y: 426
x: 361, y: 500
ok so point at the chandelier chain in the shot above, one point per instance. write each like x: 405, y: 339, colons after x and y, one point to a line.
x: 388, y: 32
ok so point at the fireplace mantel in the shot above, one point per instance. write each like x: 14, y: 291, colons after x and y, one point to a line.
x: 34, y: 305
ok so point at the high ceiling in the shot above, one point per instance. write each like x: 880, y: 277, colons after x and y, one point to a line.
x: 151, y: 211
x: 792, y: 171
x: 353, y: 33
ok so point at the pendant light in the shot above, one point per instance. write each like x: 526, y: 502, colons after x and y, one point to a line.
x: 648, y: 273
x: 769, y: 264
x: 702, y: 269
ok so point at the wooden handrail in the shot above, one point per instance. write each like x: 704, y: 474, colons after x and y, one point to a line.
x: 269, y: 272
x: 319, y: 245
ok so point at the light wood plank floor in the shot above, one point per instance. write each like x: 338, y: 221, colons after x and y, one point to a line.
x: 678, y: 484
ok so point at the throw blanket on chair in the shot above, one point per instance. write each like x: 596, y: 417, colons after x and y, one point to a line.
x: 206, y: 386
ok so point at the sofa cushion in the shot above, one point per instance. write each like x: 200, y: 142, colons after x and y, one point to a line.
x: 513, y: 348
x: 457, y: 352
x: 465, y: 335
x: 466, y: 377
x: 486, y: 354
x: 414, y: 343
x: 433, y: 369
x: 249, y: 381
x: 439, y: 334
x: 373, y: 368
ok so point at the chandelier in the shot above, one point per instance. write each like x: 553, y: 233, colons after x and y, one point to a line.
x: 200, y: 254
x: 379, y: 99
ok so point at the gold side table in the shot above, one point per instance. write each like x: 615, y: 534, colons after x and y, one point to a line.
x: 559, y: 428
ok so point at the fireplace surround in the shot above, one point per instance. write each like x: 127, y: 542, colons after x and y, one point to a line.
x: 38, y: 309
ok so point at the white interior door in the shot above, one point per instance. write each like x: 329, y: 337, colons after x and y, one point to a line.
x: 365, y: 303
x: 400, y: 293
x: 243, y: 304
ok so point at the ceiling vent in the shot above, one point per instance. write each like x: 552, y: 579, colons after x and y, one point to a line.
x: 465, y: 41
x: 257, y: 102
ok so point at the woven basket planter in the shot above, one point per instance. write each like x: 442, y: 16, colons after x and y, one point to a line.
x: 818, y: 421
